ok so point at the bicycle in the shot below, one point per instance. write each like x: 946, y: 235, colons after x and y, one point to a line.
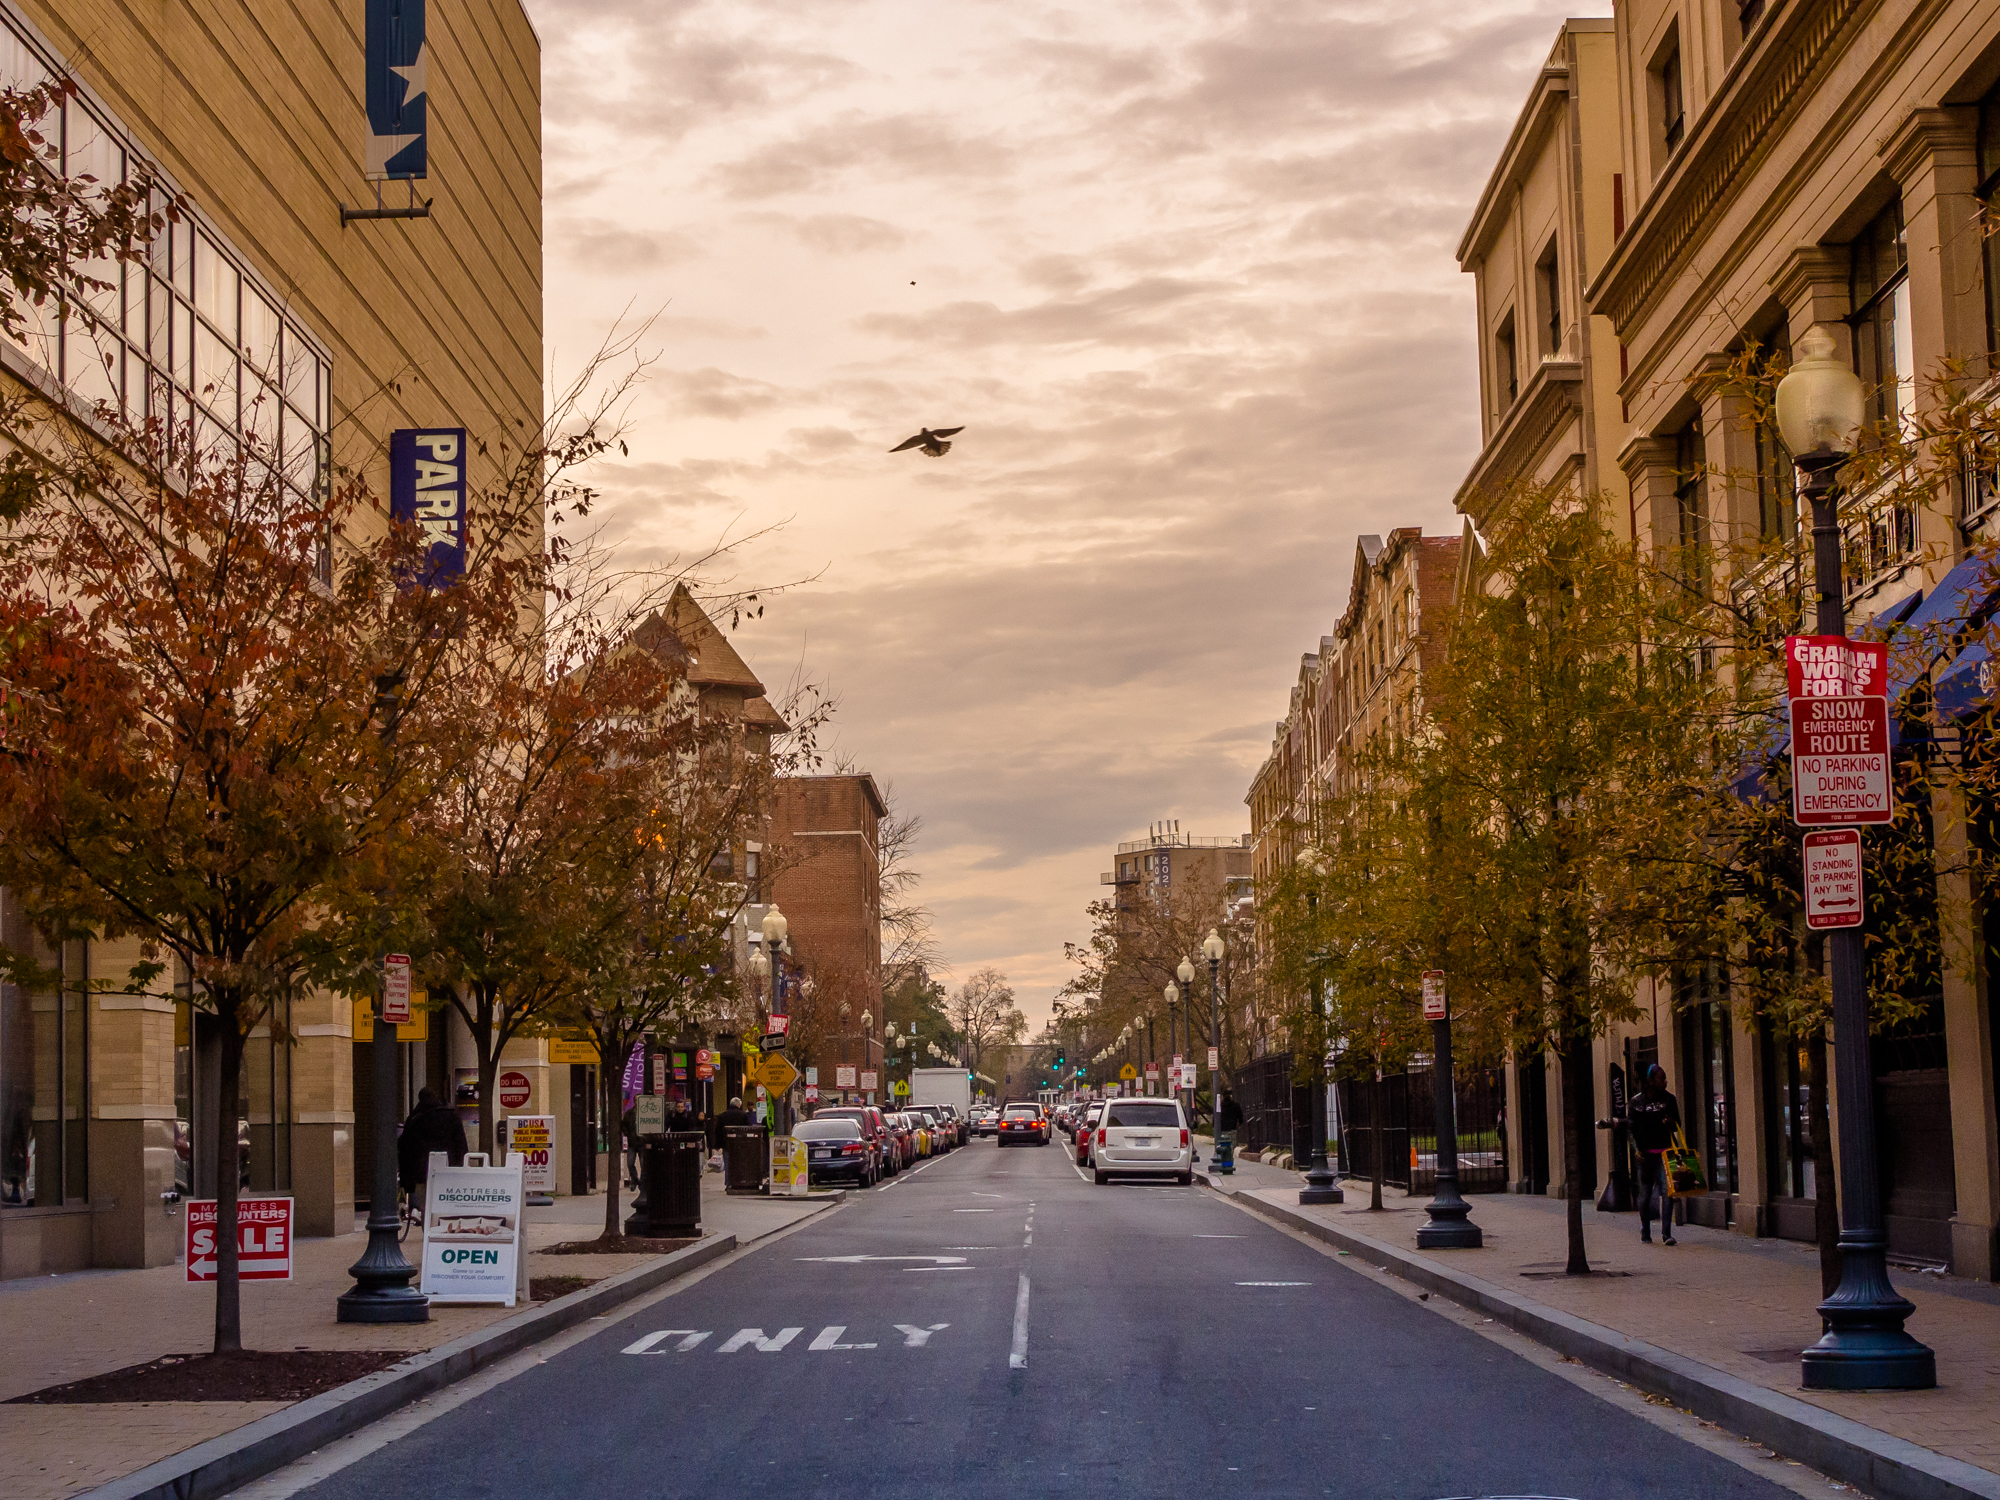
x: 409, y: 1211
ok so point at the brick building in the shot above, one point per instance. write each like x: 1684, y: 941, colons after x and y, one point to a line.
x: 828, y: 883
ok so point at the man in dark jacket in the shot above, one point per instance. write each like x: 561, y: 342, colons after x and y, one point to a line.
x: 736, y: 1114
x: 432, y: 1126
x: 1655, y: 1119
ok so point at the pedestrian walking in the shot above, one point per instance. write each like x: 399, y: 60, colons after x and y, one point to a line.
x: 432, y: 1126
x: 736, y: 1114
x: 1655, y: 1118
x: 628, y: 1128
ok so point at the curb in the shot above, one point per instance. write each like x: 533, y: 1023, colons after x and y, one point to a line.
x: 1879, y: 1464
x: 255, y: 1449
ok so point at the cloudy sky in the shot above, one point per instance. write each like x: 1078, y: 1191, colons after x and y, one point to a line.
x: 1184, y: 272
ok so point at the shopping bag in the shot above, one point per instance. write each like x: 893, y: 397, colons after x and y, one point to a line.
x: 1683, y: 1168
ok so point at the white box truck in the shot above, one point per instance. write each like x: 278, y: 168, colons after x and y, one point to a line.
x: 942, y: 1086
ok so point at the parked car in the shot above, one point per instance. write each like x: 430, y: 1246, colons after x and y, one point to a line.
x: 874, y: 1129
x: 1142, y: 1138
x: 1086, y: 1126
x: 920, y: 1139
x: 939, y: 1123
x: 1021, y: 1124
x: 901, y: 1142
x: 836, y: 1151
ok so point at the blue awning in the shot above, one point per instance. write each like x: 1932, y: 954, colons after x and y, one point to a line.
x: 1961, y: 605
x: 1775, y: 734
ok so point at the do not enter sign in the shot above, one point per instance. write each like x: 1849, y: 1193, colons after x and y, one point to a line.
x: 513, y: 1089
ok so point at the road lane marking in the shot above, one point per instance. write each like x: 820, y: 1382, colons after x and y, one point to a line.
x: 689, y: 1338
x: 829, y: 1339
x: 747, y: 1336
x: 975, y: 1210
x: 855, y: 1260
x: 1274, y: 1283
x: 916, y: 1338
x: 1218, y: 1236
x: 907, y: 1270
x: 1017, y: 1356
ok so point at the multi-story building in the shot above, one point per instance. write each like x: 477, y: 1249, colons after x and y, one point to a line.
x: 265, y: 310
x: 825, y: 835
x: 1772, y: 168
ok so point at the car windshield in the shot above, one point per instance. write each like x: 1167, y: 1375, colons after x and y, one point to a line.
x: 829, y: 1130
x: 1144, y: 1115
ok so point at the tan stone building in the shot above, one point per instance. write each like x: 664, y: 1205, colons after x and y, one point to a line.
x: 265, y: 311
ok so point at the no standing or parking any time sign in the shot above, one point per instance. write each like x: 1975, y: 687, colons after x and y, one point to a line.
x: 1833, y: 879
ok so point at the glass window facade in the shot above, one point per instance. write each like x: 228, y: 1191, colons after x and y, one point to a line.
x: 44, y: 1075
x: 192, y: 340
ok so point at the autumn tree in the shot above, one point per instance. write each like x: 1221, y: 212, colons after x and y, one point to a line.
x: 983, y: 1013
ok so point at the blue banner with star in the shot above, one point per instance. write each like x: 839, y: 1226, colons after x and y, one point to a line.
x: 398, y: 102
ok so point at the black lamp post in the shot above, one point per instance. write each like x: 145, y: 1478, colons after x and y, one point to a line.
x: 775, y: 929
x: 1865, y: 1348
x: 1321, y: 1185
x: 1211, y: 949
x: 1449, y: 1226
x: 382, y: 1292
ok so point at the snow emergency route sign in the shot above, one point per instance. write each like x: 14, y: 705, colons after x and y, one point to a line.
x: 1833, y: 879
x: 263, y: 1239
x: 1840, y: 730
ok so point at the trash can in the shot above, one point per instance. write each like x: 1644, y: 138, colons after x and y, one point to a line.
x: 1225, y: 1152
x: 746, y: 1158
x: 669, y: 1201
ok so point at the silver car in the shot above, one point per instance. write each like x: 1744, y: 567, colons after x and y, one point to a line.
x: 1142, y: 1138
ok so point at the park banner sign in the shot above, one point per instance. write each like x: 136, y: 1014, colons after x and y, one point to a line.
x: 398, y: 92
x: 1840, y: 730
x: 427, y: 490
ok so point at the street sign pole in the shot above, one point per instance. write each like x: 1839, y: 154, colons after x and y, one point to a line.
x: 1449, y: 1226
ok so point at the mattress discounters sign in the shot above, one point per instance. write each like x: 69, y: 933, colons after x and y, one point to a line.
x: 472, y: 1233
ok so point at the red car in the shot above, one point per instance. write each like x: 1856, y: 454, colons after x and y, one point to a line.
x: 1021, y: 1124
x: 882, y: 1143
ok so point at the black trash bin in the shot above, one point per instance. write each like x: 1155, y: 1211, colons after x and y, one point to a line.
x: 746, y: 1158
x: 669, y: 1201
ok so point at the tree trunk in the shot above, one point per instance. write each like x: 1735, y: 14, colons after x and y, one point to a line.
x: 1575, y: 1079
x: 228, y: 1283
x: 1381, y: 1151
x: 1826, y: 1202
x: 611, y: 1084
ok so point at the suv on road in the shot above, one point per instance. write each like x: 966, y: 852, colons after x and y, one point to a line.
x: 1142, y: 1138
x: 1022, y: 1123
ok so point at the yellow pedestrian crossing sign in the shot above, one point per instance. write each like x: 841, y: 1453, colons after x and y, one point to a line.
x: 1128, y: 1071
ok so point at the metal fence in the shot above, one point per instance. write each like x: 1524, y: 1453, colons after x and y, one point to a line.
x: 1408, y: 1129
x: 1263, y: 1087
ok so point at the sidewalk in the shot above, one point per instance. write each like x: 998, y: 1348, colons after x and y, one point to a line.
x: 1738, y: 1305
x: 63, y: 1328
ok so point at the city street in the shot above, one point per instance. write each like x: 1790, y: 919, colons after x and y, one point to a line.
x: 992, y: 1324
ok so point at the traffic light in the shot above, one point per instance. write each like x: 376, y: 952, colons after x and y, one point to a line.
x: 1059, y: 1059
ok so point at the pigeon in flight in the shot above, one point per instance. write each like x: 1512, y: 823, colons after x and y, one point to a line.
x: 932, y: 442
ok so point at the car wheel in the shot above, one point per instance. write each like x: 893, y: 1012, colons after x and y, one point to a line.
x: 1100, y: 1178
x: 1186, y: 1179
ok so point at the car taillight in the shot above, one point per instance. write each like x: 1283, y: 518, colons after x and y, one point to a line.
x: 1183, y: 1137
x: 857, y: 1148
x: 1100, y: 1137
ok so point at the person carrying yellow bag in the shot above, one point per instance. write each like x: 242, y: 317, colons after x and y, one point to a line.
x: 1655, y: 1119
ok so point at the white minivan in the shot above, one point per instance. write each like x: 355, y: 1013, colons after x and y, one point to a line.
x: 1142, y: 1138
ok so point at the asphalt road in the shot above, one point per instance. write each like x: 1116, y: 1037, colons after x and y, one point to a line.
x: 995, y: 1325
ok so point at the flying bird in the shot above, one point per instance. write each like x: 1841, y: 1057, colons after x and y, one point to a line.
x: 932, y: 442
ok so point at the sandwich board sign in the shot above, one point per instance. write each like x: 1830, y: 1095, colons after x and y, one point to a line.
x: 1833, y: 878
x: 533, y: 1138
x: 472, y: 1233
x: 263, y: 1239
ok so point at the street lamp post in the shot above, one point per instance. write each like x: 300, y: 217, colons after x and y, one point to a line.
x: 775, y: 929
x: 1450, y: 1225
x: 382, y: 1292
x: 1211, y: 949
x: 1321, y: 1185
x: 1820, y: 411
x: 1186, y: 1046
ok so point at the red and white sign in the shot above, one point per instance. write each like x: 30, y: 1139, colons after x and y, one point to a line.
x: 812, y: 1093
x: 263, y: 1239
x: 660, y: 1074
x: 1833, y: 879
x: 779, y: 1025
x: 843, y: 1077
x: 1152, y: 1070
x: 513, y: 1090
x: 1840, y: 761
x: 1434, y: 1002
x: 869, y: 1081
x: 1214, y: 1059
x: 1831, y: 666
x: 396, y: 989
x: 704, y: 1064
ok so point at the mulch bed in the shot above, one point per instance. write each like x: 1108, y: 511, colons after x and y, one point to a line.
x: 618, y: 1244
x: 548, y: 1288
x: 243, y: 1375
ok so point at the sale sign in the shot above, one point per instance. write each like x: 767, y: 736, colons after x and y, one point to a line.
x: 1833, y: 879
x: 1831, y: 666
x: 263, y: 1239
x: 1840, y: 761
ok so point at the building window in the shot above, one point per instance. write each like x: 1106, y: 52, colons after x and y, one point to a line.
x: 1749, y: 13
x: 1879, y: 284
x: 193, y: 339
x: 1989, y: 206
x: 44, y: 1075
x: 1690, y: 490
x: 1548, y: 286
x: 1506, y: 369
x: 1672, y: 95
x: 1777, y: 496
x: 753, y: 887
